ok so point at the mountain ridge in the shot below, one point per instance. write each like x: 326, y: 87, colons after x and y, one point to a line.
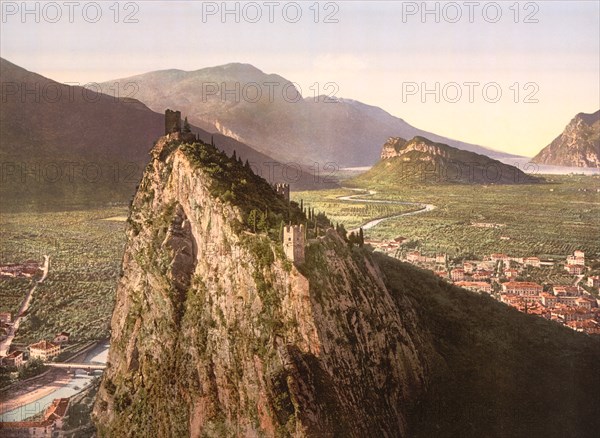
x: 286, y: 126
x: 96, y: 144
x: 577, y: 146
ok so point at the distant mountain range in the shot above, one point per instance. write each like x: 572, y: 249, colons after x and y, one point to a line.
x: 423, y: 161
x: 577, y: 146
x: 68, y: 144
x: 266, y: 112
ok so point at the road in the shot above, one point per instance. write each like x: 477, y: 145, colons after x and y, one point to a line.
x: 372, y: 223
x: 6, y: 343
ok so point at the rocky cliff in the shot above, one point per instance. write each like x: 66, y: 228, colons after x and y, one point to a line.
x: 216, y: 333
x: 577, y: 146
x: 421, y: 160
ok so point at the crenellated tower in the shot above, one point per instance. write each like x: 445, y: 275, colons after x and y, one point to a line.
x: 293, y: 243
x: 172, y: 121
x: 283, y: 189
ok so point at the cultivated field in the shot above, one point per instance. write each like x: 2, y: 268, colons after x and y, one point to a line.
x: 85, y: 255
x: 546, y: 220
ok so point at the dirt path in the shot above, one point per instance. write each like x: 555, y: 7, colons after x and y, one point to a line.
x: 6, y: 343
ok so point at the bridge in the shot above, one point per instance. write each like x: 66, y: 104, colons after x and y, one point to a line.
x: 77, y: 366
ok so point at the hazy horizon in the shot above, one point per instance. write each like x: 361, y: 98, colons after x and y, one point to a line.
x: 374, y: 53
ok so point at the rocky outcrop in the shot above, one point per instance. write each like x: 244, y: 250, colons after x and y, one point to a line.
x: 216, y: 333
x: 577, y: 146
x: 420, y: 160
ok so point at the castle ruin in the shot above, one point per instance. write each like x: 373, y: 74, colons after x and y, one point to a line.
x: 283, y: 189
x: 172, y: 121
x: 293, y: 243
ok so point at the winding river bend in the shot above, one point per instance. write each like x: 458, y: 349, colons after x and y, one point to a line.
x: 423, y: 208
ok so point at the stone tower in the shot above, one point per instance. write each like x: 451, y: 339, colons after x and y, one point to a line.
x: 283, y: 190
x: 172, y: 121
x: 293, y: 243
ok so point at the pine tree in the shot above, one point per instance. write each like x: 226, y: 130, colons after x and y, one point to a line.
x: 252, y: 217
x: 262, y: 222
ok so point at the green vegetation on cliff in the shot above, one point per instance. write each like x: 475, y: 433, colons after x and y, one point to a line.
x: 235, y: 341
x: 494, y: 371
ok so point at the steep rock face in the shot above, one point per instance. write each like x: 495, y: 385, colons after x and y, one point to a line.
x: 398, y: 147
x: 577, y: 146
x: 215, y: 333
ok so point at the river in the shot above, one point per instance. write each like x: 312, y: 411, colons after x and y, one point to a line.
x: 78, y: 382
x: 423, y: 208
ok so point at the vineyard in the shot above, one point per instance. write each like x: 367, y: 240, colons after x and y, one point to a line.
x: 13, y: 291
x: 350, y: 213
x: 545, y: 220
x: 85, y: 253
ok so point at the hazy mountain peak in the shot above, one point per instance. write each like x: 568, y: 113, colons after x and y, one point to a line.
x: 236, y: 100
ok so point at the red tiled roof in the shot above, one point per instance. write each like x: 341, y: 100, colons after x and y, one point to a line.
x: 43, y: 345
x: 58, y: 408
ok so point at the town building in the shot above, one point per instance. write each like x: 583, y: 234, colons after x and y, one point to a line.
x: 61, y: 338
x: 48, y: 427
x: 441, y: 259
x: 521, y: 288
x: 499, y: 257
x: 566, y: 314
x: 475, y: 286
x: 14, y: 359
x: 594, y: 281
x: 548, y: 300
x: 468, y: 267
x: 457, y: 274
x: 588, y: 326
x: 571, y: 291
x: 44, y: 350
x: 532, y: 261
x: 578, y: 258
x: 482, y: 275
x: 574, y: 269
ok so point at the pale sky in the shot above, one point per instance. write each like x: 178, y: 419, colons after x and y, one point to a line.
x: 377, y: 52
